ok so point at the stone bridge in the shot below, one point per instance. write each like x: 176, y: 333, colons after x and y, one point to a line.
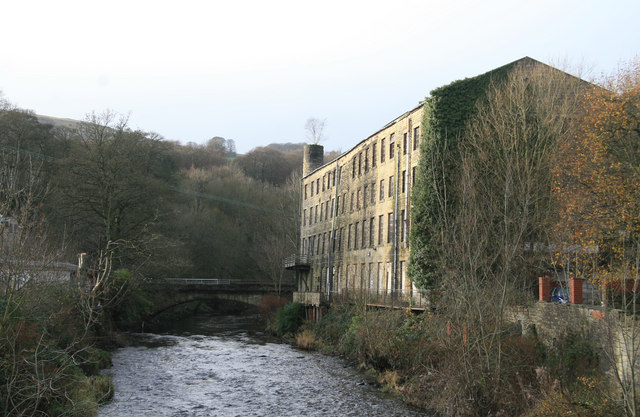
x: 239, y: 292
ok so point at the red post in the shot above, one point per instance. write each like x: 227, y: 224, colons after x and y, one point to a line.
x: 575, y: 290
x: 544, y: 288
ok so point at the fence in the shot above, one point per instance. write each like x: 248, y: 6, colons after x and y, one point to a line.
x: 383, y: 298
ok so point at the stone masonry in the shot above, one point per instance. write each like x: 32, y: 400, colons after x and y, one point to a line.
x: 355, y: 214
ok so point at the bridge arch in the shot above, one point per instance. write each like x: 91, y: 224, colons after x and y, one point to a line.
x: 235, y: 295
x: 227, y: 302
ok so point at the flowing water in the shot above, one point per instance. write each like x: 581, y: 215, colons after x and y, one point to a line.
x: 221, y: 366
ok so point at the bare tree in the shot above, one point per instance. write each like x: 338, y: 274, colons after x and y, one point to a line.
x: 111, y: 188
x: 315, y: 130
x: 4, y: 103
x: 496, y: 234
x: 622, y: 333
x: 278, y: 236
x: 42, y: 335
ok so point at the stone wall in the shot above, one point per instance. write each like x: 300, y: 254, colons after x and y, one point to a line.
x: 609, y: 331
x: 554, y: 320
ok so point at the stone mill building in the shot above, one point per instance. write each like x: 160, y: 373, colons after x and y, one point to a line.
x: 356, y: 218
x: 356, y: 215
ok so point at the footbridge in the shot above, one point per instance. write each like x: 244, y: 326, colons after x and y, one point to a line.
x: 186, y: 290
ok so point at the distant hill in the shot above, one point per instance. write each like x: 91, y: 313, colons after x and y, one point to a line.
x: 64, y: 122
x: 286, y: 147
x: 57, y: 121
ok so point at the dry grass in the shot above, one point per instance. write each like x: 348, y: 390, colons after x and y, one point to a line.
x: 389, y: 380
x: 306, y: 340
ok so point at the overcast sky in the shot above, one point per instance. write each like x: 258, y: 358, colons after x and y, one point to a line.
x: 254, y: 71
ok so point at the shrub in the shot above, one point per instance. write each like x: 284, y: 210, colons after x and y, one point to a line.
x: 136, y: 302
x: 583, y: 398
x: 289, y: 319
x: 84, y: 397
x: 102, y: 388
x: 94, y: 359
x: 379, y: 340
x: 349, y: 345
x: 334, y: 325
x: 270, y: 304
x: 571, y: 358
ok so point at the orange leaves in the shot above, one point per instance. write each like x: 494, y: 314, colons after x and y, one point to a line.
x: 598, y: 187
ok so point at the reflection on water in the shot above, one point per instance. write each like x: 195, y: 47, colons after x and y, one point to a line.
x: 221, y: 366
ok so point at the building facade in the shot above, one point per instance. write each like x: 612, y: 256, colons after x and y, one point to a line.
x: 356, y: 209
x: 354, y: 236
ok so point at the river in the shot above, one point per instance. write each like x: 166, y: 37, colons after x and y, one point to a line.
x: 223, y: 366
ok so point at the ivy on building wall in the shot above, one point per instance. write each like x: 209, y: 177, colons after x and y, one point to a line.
x: 446, y: 114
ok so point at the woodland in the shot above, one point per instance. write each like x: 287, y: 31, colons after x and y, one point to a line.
x: 129, y: 208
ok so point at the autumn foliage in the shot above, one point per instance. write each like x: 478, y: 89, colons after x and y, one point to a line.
x: 598, y: 185
x: 598, y: 189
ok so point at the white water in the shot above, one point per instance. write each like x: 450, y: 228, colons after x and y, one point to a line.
x: 220, y: 369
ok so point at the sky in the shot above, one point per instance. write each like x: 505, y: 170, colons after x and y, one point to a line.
x: 254, y: 71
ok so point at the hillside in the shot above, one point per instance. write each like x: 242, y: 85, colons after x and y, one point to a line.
x: 57, y: 121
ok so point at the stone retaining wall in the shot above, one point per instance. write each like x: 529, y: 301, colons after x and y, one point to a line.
x: 609, y: 331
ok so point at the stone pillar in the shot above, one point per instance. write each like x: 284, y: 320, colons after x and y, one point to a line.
x: 544, y: 288
x: 575, y: 290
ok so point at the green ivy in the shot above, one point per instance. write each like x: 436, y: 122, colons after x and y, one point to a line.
x: 446, y: 114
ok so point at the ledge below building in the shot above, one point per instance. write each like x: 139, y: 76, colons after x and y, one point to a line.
x: 308, y: 298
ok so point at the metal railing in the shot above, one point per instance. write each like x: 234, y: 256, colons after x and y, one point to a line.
x: 415, y: 300
x: 396, y: 299
x: 230, y: 284
x: 296, y: 260
x: 201, y: 281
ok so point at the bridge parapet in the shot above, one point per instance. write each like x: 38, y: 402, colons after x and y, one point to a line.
x: 225, y: 285
x: 201, y: 281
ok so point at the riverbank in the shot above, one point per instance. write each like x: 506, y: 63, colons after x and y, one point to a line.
x: 435, y: 365
x: 55, y: 338
x: 50, y: 353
